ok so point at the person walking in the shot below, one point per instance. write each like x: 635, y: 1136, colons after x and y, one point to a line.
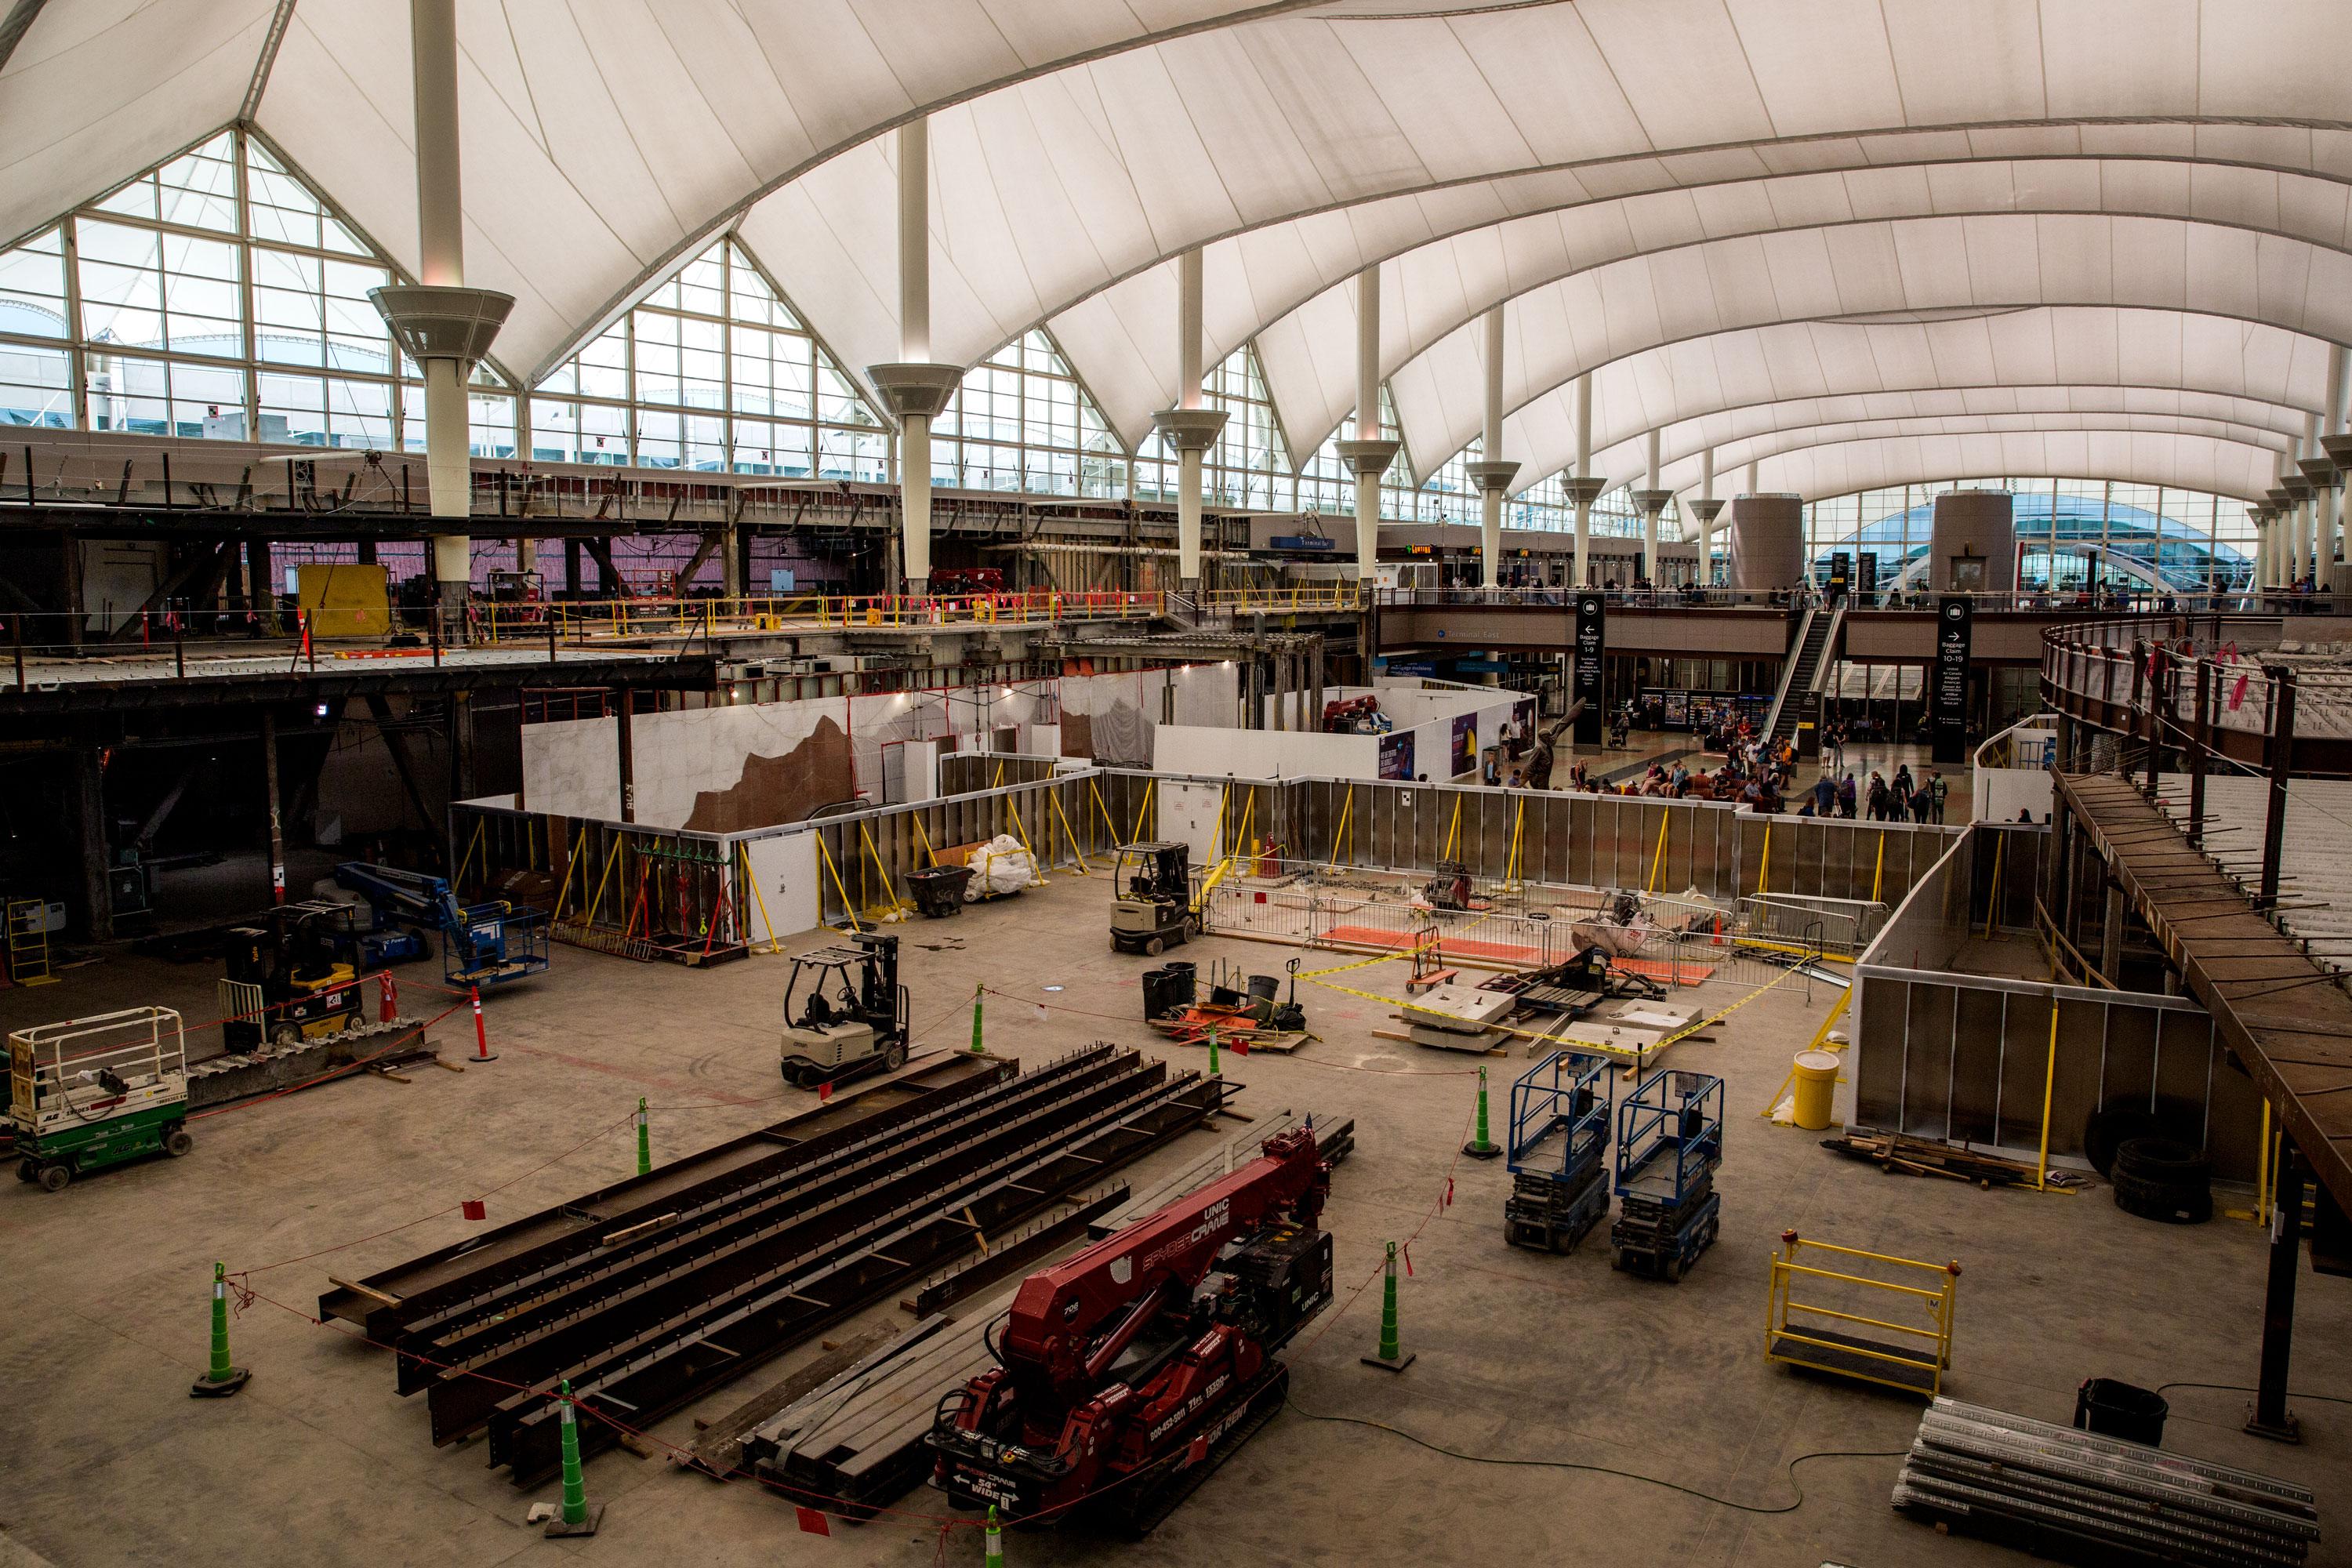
x: 1845, y: 796
x: 1824, y: 796
x: 1877, y: 798
x: 1921, y: 803
x: 1901, y: 783
x: 1937, y: 788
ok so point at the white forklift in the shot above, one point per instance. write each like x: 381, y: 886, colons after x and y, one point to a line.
x: 844, y: 1011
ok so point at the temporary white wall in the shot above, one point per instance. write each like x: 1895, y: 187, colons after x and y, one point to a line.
x: 785, y: 870
x: 1264, y: 753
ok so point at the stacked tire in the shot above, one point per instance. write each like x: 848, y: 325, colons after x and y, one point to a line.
x: 2162, y: 1179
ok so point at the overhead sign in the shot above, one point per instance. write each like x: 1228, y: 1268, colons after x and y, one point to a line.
x: 1586, y: 666
x: 1949, y: 698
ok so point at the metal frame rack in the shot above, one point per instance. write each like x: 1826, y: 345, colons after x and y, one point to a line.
x: 1559, y: 1133
x: 1669, y: 1143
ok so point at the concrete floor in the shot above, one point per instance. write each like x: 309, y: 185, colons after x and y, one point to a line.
x: 1521, y: 1354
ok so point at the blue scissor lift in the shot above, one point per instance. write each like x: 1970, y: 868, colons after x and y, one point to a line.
x: 1558, y: 1144
x: 1669, y: 1141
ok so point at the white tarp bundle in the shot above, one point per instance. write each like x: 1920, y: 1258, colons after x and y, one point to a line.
x: 999, y: 866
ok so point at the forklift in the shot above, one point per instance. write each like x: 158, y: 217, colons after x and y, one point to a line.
x: 844, y: 1011
x: 1153, y: 901
x: 288, y: 977
x: 87, y: 1093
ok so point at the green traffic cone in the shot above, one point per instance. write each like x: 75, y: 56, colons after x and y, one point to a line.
x: 995, y: 1538
x: 645, y: 1140
x: 220, y: 1379
x: 1389, y: 1360
x: 1214, y: 1070
x: 977, y: 993
x: 577, y: 1517
x: 1482, y: 1147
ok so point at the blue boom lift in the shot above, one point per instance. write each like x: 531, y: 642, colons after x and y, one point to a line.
x: 1669, y: 1141
x: 1558, y: 1148
x: 481, y: 944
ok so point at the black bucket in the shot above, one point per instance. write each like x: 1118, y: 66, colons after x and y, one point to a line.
x: 1156, y: 987
x: 1182, y: 983
x: 2114, y: 1409
x: 1264, y: 986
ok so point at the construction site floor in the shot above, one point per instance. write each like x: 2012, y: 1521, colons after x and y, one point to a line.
x: 1519, y: 1354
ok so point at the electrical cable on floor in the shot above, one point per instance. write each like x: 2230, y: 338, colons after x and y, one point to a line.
x: 2240, y: 1388
x: 1606, y: 1470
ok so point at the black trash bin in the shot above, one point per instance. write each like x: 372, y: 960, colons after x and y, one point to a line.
x: 939, y: 889
x: 1183, y: 982
x: 2114, y: 1409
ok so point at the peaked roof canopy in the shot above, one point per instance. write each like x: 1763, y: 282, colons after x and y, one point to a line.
x: 1704, y: 202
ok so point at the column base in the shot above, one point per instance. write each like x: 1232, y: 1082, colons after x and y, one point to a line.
x: 2288, y: 1430
x: 557, y: 1529
x: 205, y: 1388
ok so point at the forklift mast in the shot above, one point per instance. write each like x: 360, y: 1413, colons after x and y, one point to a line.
x: 878, y: 990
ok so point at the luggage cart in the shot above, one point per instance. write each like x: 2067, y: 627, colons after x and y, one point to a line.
x: 1558, y: 1144
x: 1669, y: 1143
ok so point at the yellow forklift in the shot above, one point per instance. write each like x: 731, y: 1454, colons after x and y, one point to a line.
x: 287, y: 976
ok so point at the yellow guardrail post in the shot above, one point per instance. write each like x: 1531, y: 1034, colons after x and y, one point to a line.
x: 1764, y: 864
x: 1141, y: 807
x: 1992, y: 894
x: 612, y: 859
x: 1347, y: 808
x: 1878, y: 876
x: 1659, y: 857
x: 875, y: 855
x: 2049, y: 1084
x: 1104, y: 812
x: 848, y: 909
x: 1453, y: 832
x: 1069, y: 833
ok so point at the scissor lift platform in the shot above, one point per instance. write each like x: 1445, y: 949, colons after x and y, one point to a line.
x: 1559, y: 1137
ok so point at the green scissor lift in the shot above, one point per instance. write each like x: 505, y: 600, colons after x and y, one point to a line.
x: 91, y: 1092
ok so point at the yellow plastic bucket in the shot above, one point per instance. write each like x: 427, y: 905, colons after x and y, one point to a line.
x: 1817, y: 1074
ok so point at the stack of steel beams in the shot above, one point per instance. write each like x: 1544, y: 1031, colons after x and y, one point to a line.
x: 661, y: 1304
x: 2096, y: 1499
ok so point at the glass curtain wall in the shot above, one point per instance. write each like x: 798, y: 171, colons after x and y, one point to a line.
x: 215, y: 296
x: 2075, y: 534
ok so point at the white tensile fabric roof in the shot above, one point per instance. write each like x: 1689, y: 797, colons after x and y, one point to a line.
x: 1644, y: 184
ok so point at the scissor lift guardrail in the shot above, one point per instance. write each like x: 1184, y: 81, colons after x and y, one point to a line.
x: 1801, y: 1333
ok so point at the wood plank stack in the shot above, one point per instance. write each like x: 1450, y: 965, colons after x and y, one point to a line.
x: 1925, y: 1157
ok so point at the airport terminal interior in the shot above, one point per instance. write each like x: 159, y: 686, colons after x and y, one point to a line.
x: 1176, y: 782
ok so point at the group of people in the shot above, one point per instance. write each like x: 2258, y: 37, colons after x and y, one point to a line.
x: 1902, y: 799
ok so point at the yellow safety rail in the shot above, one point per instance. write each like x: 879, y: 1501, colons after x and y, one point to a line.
x: 576, y: 620
x: 1808, y: 1334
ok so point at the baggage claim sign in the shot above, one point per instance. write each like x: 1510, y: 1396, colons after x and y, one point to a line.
x: 1584, y: 674
x: 1949, y: 701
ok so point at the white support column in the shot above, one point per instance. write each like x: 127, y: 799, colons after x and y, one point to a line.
x: 1491, y: 474
x: 915, y: 388
x: 1582, y: 489
x: 2337, y: 444
x: 1189, y: 428
x: 1652, y: 500
x: 1369, y: 454
x: 1706, y: 507
x: 439, y: 323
